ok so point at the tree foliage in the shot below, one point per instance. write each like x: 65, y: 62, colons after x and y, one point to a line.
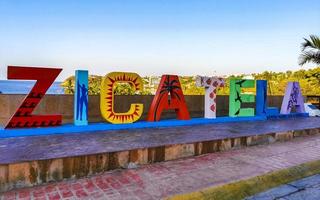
x: 309, y: 81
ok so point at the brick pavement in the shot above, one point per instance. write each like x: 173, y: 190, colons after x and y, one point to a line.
x: 160, y: 180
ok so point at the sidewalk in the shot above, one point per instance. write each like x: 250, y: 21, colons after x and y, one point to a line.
x: 161, y: 180
x: 306, y: 188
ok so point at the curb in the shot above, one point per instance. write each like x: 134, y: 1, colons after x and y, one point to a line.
x: 245, y: 188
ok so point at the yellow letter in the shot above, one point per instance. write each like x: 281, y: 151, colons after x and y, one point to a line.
x: 107, y: 97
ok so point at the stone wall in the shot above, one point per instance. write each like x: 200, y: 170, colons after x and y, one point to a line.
x: 63, y: 104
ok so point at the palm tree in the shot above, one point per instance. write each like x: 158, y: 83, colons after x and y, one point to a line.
x: 310, y: 50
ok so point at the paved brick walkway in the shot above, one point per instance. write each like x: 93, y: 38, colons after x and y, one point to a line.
x: 164, y: 179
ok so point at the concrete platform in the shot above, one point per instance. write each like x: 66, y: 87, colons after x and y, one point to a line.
x: 278, y: 163
x: 28, y: 161
x: 94, y: 127
x: 20, y: 149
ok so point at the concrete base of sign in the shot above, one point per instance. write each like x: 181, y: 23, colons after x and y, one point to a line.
x: 70, y: 128
x: 272, y: 111
x: 30, y: 161
x: 285, y: 116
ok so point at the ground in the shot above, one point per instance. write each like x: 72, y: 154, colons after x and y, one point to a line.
x: 160, y: 180
x: 304, y: 189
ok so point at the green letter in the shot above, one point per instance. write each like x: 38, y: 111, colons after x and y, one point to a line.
x: 236, y: 98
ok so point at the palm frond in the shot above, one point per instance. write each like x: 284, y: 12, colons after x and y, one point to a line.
x: 316, y: 41
x: 313, y: 43
x: 309, y: 56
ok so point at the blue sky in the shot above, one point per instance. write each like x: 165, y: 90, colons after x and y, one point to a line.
x: 184, y: 37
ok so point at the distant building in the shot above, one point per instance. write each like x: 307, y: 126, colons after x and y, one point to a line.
x: 151, y: 83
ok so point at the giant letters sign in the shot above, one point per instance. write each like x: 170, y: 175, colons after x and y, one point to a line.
x: 169, y: 96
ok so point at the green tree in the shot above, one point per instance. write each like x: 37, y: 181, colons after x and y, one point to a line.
x: 309, y: 81
x: 94, y: 84
x: 68, y: 85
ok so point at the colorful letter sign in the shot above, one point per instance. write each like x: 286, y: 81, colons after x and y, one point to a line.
x: 236, y: 98
x: 107, y: 97
x: 81, y: 98
x: 292, y: 98
x: 169, y: 95
x: 23, y: 117
x: 211, y: 84
x: 261, y: 97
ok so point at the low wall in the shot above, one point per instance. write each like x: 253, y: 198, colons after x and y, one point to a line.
x: 63, y: 104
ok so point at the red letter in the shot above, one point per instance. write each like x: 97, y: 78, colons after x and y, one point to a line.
x: 169, y: 84
x: 22, y: 117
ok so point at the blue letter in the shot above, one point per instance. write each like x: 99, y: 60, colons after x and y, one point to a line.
x: 81, y: 98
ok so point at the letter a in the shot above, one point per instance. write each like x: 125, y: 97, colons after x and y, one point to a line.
x: 169, y: 95
x: 292, y: 98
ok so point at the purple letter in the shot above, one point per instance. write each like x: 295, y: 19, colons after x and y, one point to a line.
x: 292, y: 98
